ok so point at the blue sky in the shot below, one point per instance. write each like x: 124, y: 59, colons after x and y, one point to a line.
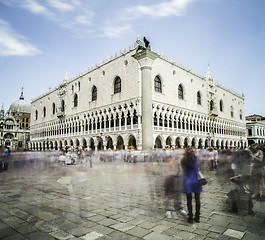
x: 42, y: 39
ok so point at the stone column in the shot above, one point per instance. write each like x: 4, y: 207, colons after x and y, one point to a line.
x: 146, y: 59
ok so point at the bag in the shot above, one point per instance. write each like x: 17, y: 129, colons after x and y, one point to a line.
x: 201, y: 179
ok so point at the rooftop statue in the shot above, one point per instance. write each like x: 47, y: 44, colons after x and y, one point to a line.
x: 142, y: 46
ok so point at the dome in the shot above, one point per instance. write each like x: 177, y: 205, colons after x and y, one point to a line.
x: 20, y: 105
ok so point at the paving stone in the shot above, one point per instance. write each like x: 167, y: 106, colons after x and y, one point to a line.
x: 102, y: 229
x: 136, y: 221
x: 122, y: 236
x: 218, y: 236
x: 157, y: 236
x: 39, y: 236
x: 138, y: 232
x: 97, y: 218
x: 234, y: 234
x: 108, y: 222
x: 217, y: 229
x: 60, y: 234
x: 91, y: 236
x: 123, y: 227
x: 14, y: 237
x: 79, y: 231
x: 6, y: 231
x: 147, y: 225
x: 252, y: 236
x: 160, y: 228
x: 14, y: 222
x: 27, y: 229
x: 237, y: 227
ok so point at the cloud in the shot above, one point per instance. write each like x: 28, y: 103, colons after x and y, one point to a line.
x: 80, y: 20
x: 164, y: 9
x: 83, y: 19
x: 34, y: 7
x: 13, y: 44
x: 61, y: 5
x: 112, y: 31
x: 160, y: 10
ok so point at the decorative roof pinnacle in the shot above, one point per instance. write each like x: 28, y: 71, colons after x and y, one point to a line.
x: 22, y: 96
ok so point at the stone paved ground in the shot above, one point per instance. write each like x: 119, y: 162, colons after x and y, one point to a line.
x: 111, y: 201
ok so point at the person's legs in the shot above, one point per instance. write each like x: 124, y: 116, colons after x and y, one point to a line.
x: 178, y: 196
x: 198, y: 207
x: 189, y: 206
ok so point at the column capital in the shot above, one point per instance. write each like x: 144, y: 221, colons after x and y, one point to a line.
x: 145, y: 57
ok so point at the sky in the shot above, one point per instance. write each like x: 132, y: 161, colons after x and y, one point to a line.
x: 42, y: 39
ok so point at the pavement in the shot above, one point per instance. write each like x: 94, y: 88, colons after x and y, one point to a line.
x: 111, y: 200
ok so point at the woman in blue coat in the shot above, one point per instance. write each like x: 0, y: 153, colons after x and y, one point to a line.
x: 190, y: 164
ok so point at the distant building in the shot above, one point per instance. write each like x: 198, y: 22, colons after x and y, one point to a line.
x: 255, y: 129
x: 138, y: 99
x: 15, y: 125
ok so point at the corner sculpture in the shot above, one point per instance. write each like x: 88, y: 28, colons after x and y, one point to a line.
x: 142, y: 46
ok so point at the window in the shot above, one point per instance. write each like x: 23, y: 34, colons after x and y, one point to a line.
x: 199, y: 98
x: 240, y: 115
x: 62, y: 106
x: 36, y: 115
x: 94, y: 93
x: 232, y: 111
x: 221, y: 105
x: 75, y: 100
x: 180, y: 92
x: 44, y: 112
x: 72, y: 89
x: 211, y: 105
x: 79, y: 87
x: 158, y: 85
x: 53, y: 108
x: 117, y: 85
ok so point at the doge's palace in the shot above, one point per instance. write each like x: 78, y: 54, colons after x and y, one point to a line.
x: 138, y: 99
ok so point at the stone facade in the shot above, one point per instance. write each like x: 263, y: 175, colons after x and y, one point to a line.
x: 15, y: 125
x: 255, y: 129
x: 138, y: 99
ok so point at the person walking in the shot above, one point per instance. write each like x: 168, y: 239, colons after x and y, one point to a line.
x: 6, y: 155
x: 190, y: 165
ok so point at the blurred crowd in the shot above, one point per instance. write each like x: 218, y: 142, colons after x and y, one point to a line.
x: 241, y: 170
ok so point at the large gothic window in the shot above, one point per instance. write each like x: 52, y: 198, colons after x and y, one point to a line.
x: 75, y: 100
x: 180, y: 92
x: 158, y: 84
x: 232, y: 111
x: 199, y: 98
x: 240, y: 114
x: 62, y: 106
x: 44, y: 112
x: 36, y: 115
x: 117, y: 85
x: 211, y: 105
x: 94, y: 93
x: 221, y: 105
x: 53, y: 108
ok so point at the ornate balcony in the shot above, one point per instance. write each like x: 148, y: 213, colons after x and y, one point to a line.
x: 213, y: 113
x: 60, y: 114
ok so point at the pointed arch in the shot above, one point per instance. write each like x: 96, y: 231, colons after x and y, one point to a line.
x: 221, y: 105
x: 158, y: 84
x: 94, y: 93
x: 199, y: 98
x: 180, y: 92
x: 117, y: 85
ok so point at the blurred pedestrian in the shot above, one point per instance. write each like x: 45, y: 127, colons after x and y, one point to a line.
x: 258, y: 173
x: 6, y: 155
x: 190, y: 164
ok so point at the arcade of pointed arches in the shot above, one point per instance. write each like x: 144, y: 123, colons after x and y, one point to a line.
x: 118, y: 126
